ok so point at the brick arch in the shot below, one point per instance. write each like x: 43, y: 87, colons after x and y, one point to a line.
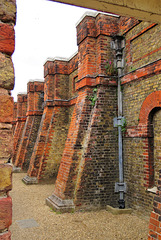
x: 152, y: 101
x: 150, y: 104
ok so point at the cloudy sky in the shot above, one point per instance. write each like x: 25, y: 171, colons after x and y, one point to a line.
x: 43, y: 29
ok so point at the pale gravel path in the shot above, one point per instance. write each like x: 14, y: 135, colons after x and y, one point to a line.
x: 29, y: 203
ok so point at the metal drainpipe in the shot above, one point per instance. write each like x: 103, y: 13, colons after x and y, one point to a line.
x: 118, y: 46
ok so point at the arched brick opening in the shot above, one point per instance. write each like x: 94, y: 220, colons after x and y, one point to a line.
x: 150, y: 106
x: 152, y: 101
x: 152, y: 146
x: 155, y: 123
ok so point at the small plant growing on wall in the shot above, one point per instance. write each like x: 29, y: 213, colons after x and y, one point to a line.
x: 110, y: 68
x: 93, y: 97
x: 124, y: 124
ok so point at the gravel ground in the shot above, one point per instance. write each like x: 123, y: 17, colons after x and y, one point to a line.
x: 29, y: 203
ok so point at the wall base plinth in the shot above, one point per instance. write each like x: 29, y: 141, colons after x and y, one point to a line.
x: 118, y: 211
x: 30, y: 180
x: 60, y: 205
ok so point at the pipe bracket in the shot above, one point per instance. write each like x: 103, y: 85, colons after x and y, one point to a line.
x: 120, y: 187
x: 118, y: 121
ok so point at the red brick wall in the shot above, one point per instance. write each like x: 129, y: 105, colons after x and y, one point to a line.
x: 141, y: 100
x: 82, y: 139
x: 78, y: 176
x: 7, y: 21
x: 20, y: 122
x: 29, y: 134
x: 86, y: 172
x: 58, y: 102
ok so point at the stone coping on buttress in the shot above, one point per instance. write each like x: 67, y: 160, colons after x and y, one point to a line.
x: 30, y: 180
x: 35, y: 80
x: 59, y: 205
x: 22, y: 93
x: 94, y: 14
x: 50, y: 59
x: 16, y: 169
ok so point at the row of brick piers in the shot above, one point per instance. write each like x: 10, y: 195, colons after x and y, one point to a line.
x: 59, y: 134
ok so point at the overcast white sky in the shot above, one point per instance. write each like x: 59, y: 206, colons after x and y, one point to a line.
x: 43, y: 29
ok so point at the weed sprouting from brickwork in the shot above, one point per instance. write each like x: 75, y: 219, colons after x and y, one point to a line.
x: 123, y: 127
x: 93, y: 97
x: 110, y: 68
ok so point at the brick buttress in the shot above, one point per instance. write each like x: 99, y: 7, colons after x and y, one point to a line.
x: 20, y: 122
x: 88, y: 168
x: 35, y: 96
x: 59, y: 99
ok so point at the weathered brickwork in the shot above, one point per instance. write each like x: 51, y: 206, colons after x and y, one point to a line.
x: 155, y: 218
x: 35, y: 97
x: 141, y: 48
x: 85, y: 173
x: 76, y: 140
x: 58, y: 105
x: 8, y: 11
x: 5, y: 176
x: 126, y: 24
x: 7, y: 38
x: 95, y: 178
x: 6, y: 111
x: 56, y: 141
x: 6, y: 72
x: 157, y: 144
x: 20, y: 122
x: 141, y: 101
x: 7, y: 21
x: 6, y: 141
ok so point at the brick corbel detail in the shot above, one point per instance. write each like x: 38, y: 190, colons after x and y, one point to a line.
x: 94, y: 26
x: 98, y: 80
x: 34, y: 113
x: 21, y: 119
x: 58, y: 66
x: 60, y: 103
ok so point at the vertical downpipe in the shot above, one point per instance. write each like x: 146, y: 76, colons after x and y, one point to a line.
x: 118, y: 46
x: 121, y: 178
